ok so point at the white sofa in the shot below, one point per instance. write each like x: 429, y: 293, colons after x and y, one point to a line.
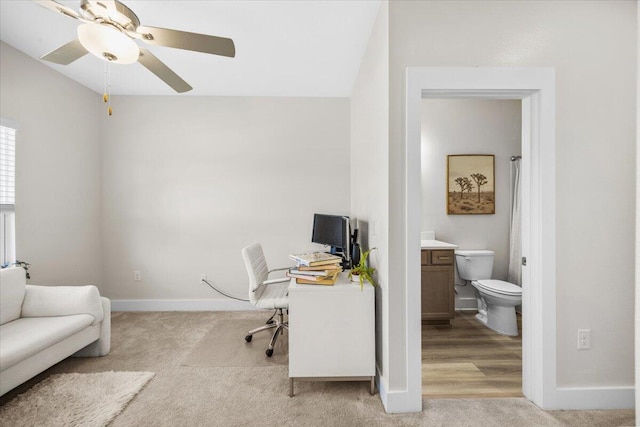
x: 42, y: 325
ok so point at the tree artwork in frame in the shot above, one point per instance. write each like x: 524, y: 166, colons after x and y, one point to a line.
x: 471, y: 184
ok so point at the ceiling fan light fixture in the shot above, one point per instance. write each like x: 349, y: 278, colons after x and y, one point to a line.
x: 108, y: 43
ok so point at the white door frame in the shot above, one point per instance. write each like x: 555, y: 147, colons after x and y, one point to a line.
x: 536, y: 88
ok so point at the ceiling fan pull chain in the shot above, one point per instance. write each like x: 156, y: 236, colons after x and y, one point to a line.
x: 109, y: 110
x: 105, y: 97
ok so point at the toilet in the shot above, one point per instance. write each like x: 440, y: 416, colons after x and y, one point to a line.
x: 498, y: 299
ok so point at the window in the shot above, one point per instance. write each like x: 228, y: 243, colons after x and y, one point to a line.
x: 7, y: 195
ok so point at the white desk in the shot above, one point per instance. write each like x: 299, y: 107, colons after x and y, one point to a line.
x: 331, y: 332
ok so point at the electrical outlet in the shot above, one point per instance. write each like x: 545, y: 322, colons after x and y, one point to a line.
x: 203, y: 277
x: 584, y: 339
x: 137, y: 276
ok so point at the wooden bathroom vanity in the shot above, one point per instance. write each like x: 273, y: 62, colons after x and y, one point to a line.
x: 438, y: 282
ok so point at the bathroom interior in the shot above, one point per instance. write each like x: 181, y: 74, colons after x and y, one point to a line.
x: 471, y: 262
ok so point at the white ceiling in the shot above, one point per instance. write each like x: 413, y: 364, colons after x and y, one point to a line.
x: 283, y: 48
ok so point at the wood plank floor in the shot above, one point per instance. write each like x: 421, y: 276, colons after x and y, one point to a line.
x: 470, y: 360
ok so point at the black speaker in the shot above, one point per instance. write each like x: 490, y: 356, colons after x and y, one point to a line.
x: 355, y: 254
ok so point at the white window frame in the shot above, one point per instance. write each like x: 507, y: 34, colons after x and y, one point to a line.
x: 7, y: 198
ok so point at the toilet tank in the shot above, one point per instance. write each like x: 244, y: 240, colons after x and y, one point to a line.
x: 474, y: 264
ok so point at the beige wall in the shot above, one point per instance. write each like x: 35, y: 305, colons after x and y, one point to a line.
x: 592, y: 46
x: 189, y: 181
x: 370, y: 170
x: 171, y: 186
x: 469, y: 126
x: 58, y: 170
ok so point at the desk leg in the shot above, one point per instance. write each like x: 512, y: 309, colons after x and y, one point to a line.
x: 291, y: 387
x: 372, y: 386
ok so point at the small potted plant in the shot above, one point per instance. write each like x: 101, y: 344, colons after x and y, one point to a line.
x: 18, y: 263
x: 362, y: 272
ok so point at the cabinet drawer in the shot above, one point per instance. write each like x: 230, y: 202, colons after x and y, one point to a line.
x: 424, y: 257
x: 442, y: 257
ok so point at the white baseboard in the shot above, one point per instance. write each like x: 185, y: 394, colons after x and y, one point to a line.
x: 584, y: 398
x: 396, y: 402
x: 180, y: 305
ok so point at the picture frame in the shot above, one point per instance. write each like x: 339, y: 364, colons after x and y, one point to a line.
x: 471, y: 184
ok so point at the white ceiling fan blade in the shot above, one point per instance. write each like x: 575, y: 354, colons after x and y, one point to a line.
x: 165, y: 73
x: 57, y: 7
x: 188, y: 41
x: 66, y: 54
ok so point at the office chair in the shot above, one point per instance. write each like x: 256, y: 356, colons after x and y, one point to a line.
x: 270, y: 294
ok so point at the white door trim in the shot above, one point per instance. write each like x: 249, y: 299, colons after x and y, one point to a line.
x: 536, y: 88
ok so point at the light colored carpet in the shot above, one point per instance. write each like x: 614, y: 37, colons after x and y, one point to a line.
x: 225, y: 345
x: 87, y: 400
x: 258, y: 396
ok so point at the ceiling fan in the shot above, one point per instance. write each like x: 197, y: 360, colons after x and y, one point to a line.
x: 108, y: 31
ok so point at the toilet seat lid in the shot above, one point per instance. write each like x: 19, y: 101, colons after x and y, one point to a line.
x: 500, y: 286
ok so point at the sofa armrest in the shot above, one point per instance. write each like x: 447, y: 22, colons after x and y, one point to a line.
x: 102, y: 346
x: 48, y: 301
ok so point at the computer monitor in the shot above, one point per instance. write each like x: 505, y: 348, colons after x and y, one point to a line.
x: 333, y: 231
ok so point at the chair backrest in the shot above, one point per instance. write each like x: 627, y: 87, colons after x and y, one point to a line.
x: 257, y: 268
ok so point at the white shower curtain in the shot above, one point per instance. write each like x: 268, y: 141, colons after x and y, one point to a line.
x: 515, y: 238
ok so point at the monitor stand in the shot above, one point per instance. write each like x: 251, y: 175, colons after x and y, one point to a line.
x: 346, y: 263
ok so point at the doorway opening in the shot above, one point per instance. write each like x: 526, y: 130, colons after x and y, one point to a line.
x: 535, y: 88
x: 470, y: 154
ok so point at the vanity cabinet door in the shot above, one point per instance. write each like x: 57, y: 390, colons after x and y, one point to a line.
x: 437, y: 293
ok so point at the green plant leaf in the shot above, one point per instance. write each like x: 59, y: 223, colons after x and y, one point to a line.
x: 362, y: 270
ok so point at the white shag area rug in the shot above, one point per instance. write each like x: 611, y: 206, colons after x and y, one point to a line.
x: 74, y: 400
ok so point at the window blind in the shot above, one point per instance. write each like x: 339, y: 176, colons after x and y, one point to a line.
x: 7, y: 168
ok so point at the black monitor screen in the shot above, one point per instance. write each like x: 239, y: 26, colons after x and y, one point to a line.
x: 331, y: 230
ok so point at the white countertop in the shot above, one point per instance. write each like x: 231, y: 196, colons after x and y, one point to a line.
x: 436, y: 244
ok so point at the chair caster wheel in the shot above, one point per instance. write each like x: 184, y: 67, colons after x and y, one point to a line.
x: 248, y: 338
x: 269, y: 352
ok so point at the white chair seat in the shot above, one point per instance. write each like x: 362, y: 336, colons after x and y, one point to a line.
x: 274, y: 296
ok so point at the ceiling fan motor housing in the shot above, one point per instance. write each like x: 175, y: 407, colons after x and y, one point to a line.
x: 112, y: 12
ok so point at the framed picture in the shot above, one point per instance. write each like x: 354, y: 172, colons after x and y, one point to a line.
x: 471, y: 184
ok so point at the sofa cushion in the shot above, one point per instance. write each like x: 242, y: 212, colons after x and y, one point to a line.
x: 25, y: 337
x: 12, y: 288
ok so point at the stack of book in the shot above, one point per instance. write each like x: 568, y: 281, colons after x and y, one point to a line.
x: 316, y: 268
